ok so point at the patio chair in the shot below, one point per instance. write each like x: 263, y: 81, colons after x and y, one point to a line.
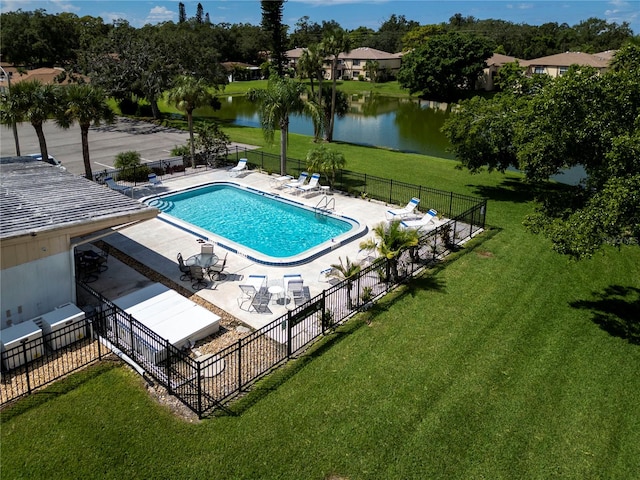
x: 240, y: 167
x: 427, y: 219
x: 295, y: 289
x: 312, y: 185
x: 103, y: 257
x: 114, y: 186
x: 278, y: 181
x: 185, y: 270
x: 327, y: 276
x: 247, y: 292
x: 206, y: 248
x: 405, y: 212
x: 260, y: 301
x: 197, y: 275
x: 154, y: 181
x: 217, y: 270
x: 299, y: 182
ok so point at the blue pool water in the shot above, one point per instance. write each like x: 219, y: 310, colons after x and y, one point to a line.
x: 272, y: 227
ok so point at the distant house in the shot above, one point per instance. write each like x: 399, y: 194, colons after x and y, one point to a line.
x: 557, y: 65
x: 352, y: 65
x: 494, y: 63
x: 238, y: 71
x: 44, y: 75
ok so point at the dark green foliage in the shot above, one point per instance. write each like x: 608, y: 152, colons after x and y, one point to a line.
x: 272, y: 23
x: 445, y: 66
x: 581, y: 118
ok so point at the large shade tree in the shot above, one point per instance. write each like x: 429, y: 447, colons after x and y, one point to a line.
x: 445, y: 66
x: 580, y: 119
x: 188, y: 94
x: 87, y: 106
x: 276, y: 103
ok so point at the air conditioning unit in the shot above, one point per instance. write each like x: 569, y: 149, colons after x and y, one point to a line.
x: 57, y: 325
x: 15, y: 338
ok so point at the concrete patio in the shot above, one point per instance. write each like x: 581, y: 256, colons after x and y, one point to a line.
x: 156, y: 244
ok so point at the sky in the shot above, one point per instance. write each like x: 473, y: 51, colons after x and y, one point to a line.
x: 350, y: 14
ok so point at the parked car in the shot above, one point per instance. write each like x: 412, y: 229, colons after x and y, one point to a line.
x: 52, y: 160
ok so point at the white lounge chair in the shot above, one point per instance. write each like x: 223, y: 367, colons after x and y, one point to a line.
x: 154, y: 181
x: 278, y: 181
x: 299, y: 182
x: 428, y: 218
x: 312, y: 185
x: 114, y: 186
x: 240, y: 167
x: 403, y: 212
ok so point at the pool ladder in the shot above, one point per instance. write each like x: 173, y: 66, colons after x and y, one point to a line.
x: 325, y: 205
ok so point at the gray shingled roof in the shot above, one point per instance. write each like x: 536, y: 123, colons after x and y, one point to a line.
x: 37, y: 197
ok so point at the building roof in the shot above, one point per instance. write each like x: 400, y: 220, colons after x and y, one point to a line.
x: 294, y: 53
x: 38, y: 197
x: 498, y: 59
x: 367, y: 53
x: 568, y: 58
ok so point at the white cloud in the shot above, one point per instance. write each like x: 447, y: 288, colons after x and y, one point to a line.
x: 160, y: 14
x: 64, y: 6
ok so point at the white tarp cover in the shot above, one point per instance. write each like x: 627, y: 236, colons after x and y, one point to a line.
x: 169, y: 314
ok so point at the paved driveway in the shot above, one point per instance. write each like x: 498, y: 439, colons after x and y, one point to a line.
x: 151, y: 141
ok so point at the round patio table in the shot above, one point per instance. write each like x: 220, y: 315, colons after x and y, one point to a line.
x: 204, y: 260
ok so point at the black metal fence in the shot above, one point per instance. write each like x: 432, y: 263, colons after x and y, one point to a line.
x: 43, y: 360
x: 206, y: 383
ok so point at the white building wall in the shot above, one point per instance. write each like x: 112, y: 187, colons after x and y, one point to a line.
x: 34, y: 288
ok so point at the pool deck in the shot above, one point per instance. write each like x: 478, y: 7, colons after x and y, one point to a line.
x: 155, y: 244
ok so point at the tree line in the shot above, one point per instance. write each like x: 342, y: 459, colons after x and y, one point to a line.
x: 35, y: 38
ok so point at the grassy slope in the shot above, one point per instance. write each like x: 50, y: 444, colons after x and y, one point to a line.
x: 483, y: 369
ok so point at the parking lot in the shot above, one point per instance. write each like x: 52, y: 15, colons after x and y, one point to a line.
x: 153, y: 142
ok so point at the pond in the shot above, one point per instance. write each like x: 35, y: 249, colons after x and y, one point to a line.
x: 404, y: 124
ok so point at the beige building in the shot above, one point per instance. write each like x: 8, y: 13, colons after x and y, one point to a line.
x: 45, y: 214
x: 352, y: 65
x: 557, y: 65
x: 494, y: 63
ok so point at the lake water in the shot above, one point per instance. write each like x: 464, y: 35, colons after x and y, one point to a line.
x: 408, y: 125
x: 403, y: 124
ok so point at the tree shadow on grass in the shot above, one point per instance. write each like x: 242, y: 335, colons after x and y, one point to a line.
x: 518, y: 191
x: 56, y: 389
x: 616, y: 310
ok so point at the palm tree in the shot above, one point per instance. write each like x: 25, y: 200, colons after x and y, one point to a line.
x: 335, y: 43
x: 188, y: 94
x: 392, y: 240
x: 310, y: 66
x: 325, y: 160
x: 277, y: 102
x: 346, y: 271
x: 34, y: 102
x: 86, y: 105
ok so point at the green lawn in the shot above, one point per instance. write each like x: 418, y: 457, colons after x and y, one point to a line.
x: 499, y: 364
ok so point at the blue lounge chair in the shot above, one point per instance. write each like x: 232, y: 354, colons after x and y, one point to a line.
x: 299, y: 182
x: 403, y: 212
x: 428, y: 219
x: 240, y: 167
x: 312, y: 185
x: 114, y: 186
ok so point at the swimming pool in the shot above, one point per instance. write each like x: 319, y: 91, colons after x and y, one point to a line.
x: 266, y: 228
